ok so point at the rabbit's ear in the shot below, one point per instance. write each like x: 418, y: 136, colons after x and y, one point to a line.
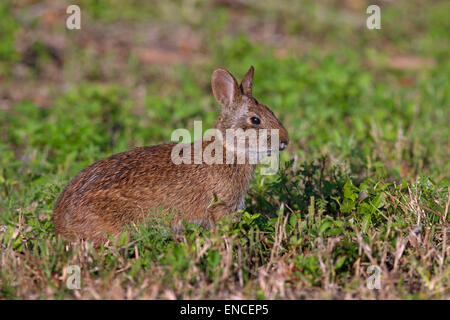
x: 225, y: 88
x: 247, y: 82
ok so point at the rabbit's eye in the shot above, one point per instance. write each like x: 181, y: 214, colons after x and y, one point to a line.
x: 255, y: 120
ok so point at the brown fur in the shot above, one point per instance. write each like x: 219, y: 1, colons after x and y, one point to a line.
x: 125, y: 187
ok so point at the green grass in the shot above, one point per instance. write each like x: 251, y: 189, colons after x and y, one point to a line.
x: 364, y: 181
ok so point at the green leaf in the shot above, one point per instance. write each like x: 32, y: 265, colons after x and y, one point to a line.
x: 340, y: 262
x: 379, y: 200
x: 327, y: 224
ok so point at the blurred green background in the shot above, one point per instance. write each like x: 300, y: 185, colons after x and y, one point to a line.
x: 372, y: 99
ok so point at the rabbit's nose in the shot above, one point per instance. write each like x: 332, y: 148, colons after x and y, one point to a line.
x: 283, y: 144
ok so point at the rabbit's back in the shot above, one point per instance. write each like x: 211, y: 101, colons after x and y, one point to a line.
x: 128, y: 186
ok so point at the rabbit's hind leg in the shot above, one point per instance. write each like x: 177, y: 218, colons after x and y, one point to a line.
x: 217, y: 211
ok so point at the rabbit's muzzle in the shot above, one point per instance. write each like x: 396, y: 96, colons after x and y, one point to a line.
x: 283, y: 144
x: 284, y: 139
